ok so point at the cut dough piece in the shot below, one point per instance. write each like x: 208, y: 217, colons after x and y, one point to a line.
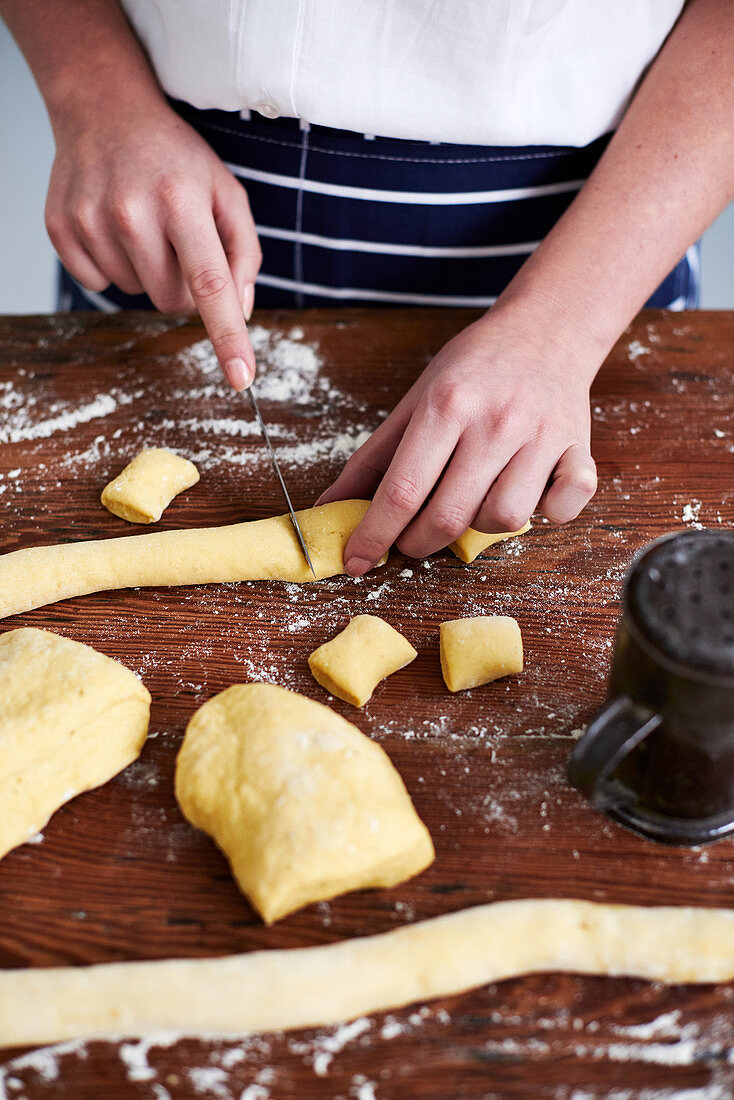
x: 71, y: 719
x: 352, y: 664
x: 148, y: 484
x: 303, y: 805
x: 472, y: 543
x: 315, y: 986
x: 475, y: 651
x: 264, y: 549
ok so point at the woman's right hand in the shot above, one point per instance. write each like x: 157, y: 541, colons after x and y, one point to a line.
x: 138, y: 198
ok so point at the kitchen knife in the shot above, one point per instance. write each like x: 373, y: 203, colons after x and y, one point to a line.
x: 276, y: 467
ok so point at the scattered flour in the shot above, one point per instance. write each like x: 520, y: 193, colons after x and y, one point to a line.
x: 691, y: 513
x: 362, y: 1089
x: 635, y: 349
x: 291, y: 372
x: 321, y: 1051
x: 199, y: 356
x: 17, y: 428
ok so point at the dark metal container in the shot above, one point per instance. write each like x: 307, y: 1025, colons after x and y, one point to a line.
x: 659, y: 754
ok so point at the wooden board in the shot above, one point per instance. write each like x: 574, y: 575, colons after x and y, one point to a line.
x: 119, y: 874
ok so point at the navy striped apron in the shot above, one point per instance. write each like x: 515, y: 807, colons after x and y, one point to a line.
x: 351, y: 219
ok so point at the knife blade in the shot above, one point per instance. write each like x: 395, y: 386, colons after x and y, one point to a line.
x: 276, y: 467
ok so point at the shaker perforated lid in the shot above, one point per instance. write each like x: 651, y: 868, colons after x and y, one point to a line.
x: 680, y: 593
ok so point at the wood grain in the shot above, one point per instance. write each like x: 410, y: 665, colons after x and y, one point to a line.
x: 121, y: 875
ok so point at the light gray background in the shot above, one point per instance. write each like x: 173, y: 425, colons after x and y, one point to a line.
x: 26, y: 153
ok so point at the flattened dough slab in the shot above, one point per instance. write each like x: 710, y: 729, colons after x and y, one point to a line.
x: 314, y: 986
x: 302, y: 803
x: 70, y: 719
x: 264, y: 549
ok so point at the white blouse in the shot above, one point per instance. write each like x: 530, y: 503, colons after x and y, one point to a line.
x: 486, y: 72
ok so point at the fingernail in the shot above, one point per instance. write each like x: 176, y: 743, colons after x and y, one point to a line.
x: 248, y: 301
x: 357, y: 567
x: 238, y: 373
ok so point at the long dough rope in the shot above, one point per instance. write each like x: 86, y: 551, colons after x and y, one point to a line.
x: 265, y: 549
x: 314, y: 986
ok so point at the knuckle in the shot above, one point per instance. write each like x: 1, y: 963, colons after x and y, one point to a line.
x: 362, y: 461
x: 170, y: 301
x: 446, y: 401
x: 125, y: 212
x: 450, y: 520
x: 58, y: 232
x: 559, y: 513
x: 370, y: 546
x: 173, y: 193
x: 402, y: 493
x: 580, y: 480
x: 128, y: 283
x: 511, y: 518
x: 505, y: 421
x: 508, y: 516
x: 586, y: 481
x: 227, y: 342
x: 55, y: 223
x: 208, y: 282
x: 86, y: 218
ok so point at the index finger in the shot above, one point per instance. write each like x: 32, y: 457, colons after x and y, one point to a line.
x: 417, y: 464
x: 206, y: 270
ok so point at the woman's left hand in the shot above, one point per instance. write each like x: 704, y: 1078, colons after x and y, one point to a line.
x: 497, y: 424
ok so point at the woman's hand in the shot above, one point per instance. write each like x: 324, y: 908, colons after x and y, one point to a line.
x: 496, y: 425
x: 138, y: 199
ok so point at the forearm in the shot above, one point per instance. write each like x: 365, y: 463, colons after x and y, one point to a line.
x: 83, y: 54
x: 666, y: 174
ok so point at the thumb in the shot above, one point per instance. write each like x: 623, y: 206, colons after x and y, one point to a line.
x: 572, y: 485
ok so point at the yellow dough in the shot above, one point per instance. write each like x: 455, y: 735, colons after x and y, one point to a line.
x: 148, y: 484
x: 264, y: 549
x: 313, y: 986
x: 352, y: 664
x: 472, y: 543
x: 475, y: 651
x: 303, y: 805
x: 70, y: 719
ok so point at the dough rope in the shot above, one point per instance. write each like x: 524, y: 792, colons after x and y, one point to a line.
x: 259, y: 550
x: 264, y: 549
x: 315, y: 986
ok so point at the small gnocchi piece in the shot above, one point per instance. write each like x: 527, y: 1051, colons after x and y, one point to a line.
x: 353, y: 663
x: 148, y: 484
x: 472, y: 543
x: 478, y: 650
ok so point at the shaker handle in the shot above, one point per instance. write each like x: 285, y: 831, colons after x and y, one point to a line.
x: 616, y: 729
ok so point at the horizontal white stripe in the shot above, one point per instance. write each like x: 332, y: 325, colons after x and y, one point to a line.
x: 677, y: 305
x: 693, y: 263
x: 345, y: 244
x: 413, y: 198
x: 96, y: 299
x: 373, y: 295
